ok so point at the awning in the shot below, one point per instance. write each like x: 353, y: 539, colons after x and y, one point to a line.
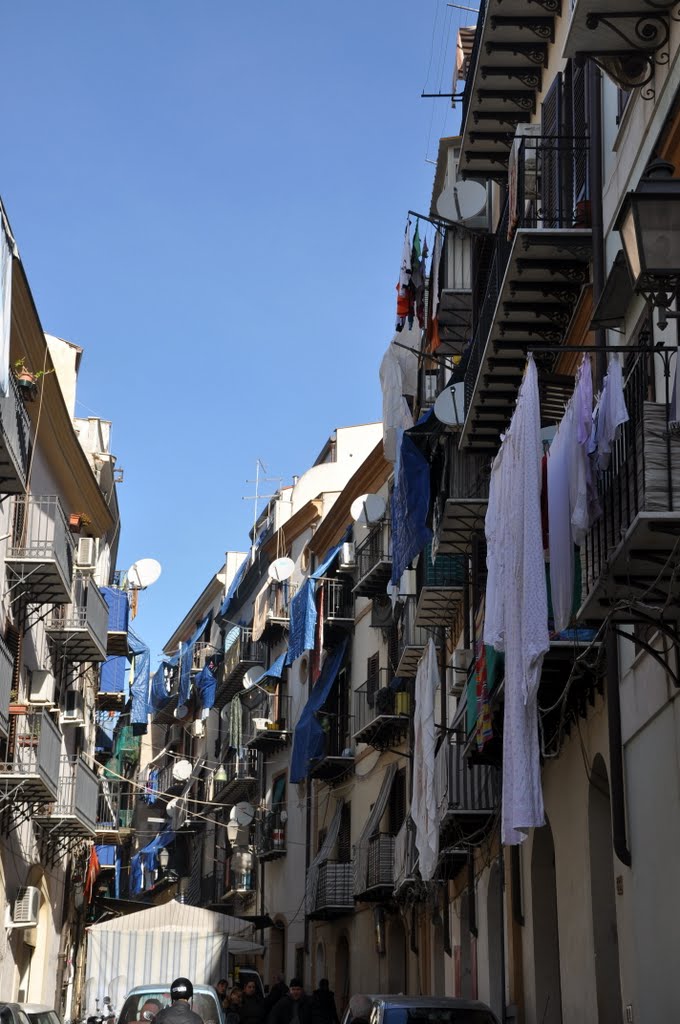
x: 616, y: 296
x: 309, y: 737
x: 410, y: 507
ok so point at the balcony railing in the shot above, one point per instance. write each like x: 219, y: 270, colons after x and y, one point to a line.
x: 40, y: 551
x: 242, y: 773
x: 241, y: 653
x: 380, y: 862
x: 439, y: 582
x: 112, y: 816
x: 82, y: 626
x: 405, y: 855
x: 267, y: 724
x: 276, y: 608
x: 628, y: 551
x: 338, y: 601
x: 271, y: 835
x: 6, y: 680
x: 460, y: 506
x: 381, y: 715
x: 468, y: 793
x: 333, y: 896
x: 15, y: 441
x: 74, y: 811
x: 374, y: 561
x: 31, y: 769
x: 412, y: 641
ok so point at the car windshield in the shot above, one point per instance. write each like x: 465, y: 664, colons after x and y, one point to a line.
x: 44, y: 1017
x: 436, y: 1015
x: 137, y: 1005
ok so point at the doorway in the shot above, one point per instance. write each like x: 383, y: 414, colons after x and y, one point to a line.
x: 605, y: 928
x: 546, y: 931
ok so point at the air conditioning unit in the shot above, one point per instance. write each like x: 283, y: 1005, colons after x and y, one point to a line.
x: 381, y: 612
x: 41, y: 689
x: 86, y: 554
x: 407, y: 583
x: 460, y: 663
x: 26, y: 908
x: 74, y: 711
x: 198, y: 728
x: 347, y: 556
x: 174, y: 736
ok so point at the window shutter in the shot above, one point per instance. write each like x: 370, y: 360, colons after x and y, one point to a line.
x: 579, y: 131
x: 397, y: 804
x: 345, y: 836
x: 551, y: 170
x: 372, y: 678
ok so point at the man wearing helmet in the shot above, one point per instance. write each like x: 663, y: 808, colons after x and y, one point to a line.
x: 179, y: 1011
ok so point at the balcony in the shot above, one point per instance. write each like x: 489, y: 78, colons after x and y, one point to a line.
x: 242, y: 775
x: 440, y: 584
x: 374, y: 562
x: 468, y: 793
x: 119, y: 614
x: 508, y: 56
x: 333, y: 897
x: 338, y: 607
x: 112, y: 817
x: 15, y: 441
x: 74, y: 810
x: 276, y: 610
x: 267, y: 724
x: 271, y: 835
x: 31, y: 769
x: 412, y: 641
x: 380, y: 869
x: 538, y: 271
x: 460, y: 506
x: 381, y: 715
x: 629, y: 564
x: 80, y: 627
x: 241, y: 653
x: 6, y: 680
x: 337, y: 760
x: 405, y: 857
x: 39, y: 556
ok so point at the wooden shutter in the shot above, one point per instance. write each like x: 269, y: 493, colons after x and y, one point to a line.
x: 579, y: 132
x: 397, y: 805
x: 551, y: 167
x: 345, y: 836
x: 372, y: 678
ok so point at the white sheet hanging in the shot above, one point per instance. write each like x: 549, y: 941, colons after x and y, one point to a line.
x: 424, y: 800
x: 517, y: 605
x: 398, y: 377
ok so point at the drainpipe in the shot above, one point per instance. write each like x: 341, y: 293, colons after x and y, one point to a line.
x: 618, y: 798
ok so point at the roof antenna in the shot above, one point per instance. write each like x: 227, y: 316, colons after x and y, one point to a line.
x: 255, y: 498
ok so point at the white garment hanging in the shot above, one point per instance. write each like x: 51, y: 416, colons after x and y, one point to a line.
x: 398, y: 377
x: 424, y: 800
x: 610, y: 414
x: 518, y: 610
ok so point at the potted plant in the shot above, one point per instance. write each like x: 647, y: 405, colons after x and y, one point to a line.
x: 27, y: 380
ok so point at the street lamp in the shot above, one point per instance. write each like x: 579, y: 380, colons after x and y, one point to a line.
x: 649, y: 225
x: 163, y: 858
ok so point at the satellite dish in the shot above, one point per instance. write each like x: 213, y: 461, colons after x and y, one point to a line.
x: 171, y: 805
x: 369, y: 508
x: 143, y: 573
x: 281, y: 569
x: 463, y: 202
x: 181, y: 712
x: 250, y: 678
x: 449, y: 407
x: 244, y: 813
x: 181, y: 770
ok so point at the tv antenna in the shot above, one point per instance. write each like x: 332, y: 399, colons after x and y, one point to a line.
x: 257, y: 497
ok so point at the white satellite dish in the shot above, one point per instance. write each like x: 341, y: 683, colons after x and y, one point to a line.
x: 181, y: 770
x: 243, y: 813
x: 143, y: 573
x: 449, y: 407
x: 281, y: 569
x: 250, y: 678
x: 369, y: 508
x: 461, y: 203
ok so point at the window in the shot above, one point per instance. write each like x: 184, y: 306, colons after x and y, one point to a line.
x: 396, y: 808
x: 372, y: 678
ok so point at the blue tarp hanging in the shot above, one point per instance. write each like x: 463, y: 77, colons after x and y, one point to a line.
x: 206, y: 685
x: 113, y: 674
x: 185, y: 662
x: 140, y: 684
x: 302, y: 620
x: 309, y: 738
x: 275, y: 670
x: 147, y: 859
x: 160, y: 694
x: 103, y: 740
x: 233, y: 586
x: 106, y: 855
x: 410, y: 507
x: 119, y: 608
x: 331, y: 555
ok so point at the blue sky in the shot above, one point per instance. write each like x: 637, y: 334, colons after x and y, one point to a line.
x: 210, y: 199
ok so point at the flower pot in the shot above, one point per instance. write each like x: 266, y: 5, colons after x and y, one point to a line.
x: 27, y: 384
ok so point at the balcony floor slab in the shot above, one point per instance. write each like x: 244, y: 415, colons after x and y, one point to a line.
x: 460, y: 519
x: 437, y: 606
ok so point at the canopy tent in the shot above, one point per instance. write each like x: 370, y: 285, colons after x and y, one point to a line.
x: 159, y: 944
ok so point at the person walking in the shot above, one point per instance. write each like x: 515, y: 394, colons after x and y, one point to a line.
x: 277, y: 989
x: 252, y: 1005
x: 232, y: 1006
x: 324, y: 1000
x: 179, y: 1011
x: 294, y: 1008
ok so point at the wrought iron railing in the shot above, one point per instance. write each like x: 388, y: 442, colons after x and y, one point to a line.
x: 462, y: 787
x: 77, y: 791
x: 243, y: 649
x: 271, y: 714
x: 405, y: 853
x: 278, y: 599
x: 243, y: 767
x: 39, y: 532
x: 643, y: 473
x: 338, y: 601
x: 374, y: 698
x: 6, y: 680
x: 380, y: 861
x: 334, y: 886
x: 34, y: 747
x: 376, y: 548
x: 271, y: 832
x: 411, y: 635
x: 16, y: 428
x: 110, y: 811
x: 88, y: 610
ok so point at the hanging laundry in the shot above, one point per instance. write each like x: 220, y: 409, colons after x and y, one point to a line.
x: 516, y: 605
x: 484, y: 729
x: 404, y: 290
x: 610, y: 414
